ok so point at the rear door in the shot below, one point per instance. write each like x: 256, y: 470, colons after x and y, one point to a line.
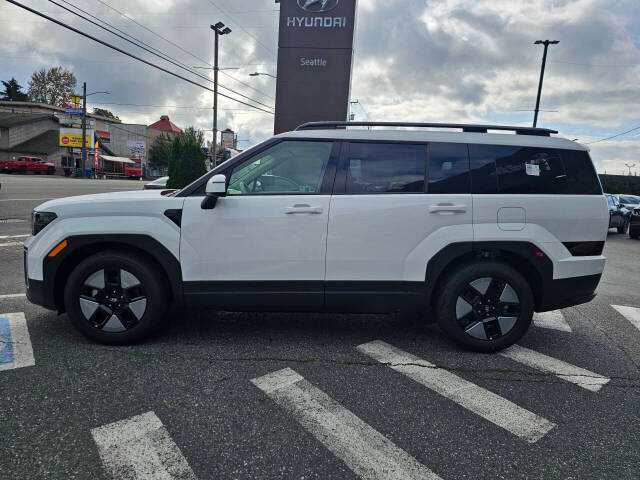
x: 386, y: 222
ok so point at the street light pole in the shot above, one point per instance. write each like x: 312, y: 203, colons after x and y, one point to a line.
x: 256, y: 74
x: 546, y: 44
x: 218, y: 29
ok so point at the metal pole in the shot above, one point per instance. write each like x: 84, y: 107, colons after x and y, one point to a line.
x: 214, y: 159
x: 544, y: 62
x: 84, y: 127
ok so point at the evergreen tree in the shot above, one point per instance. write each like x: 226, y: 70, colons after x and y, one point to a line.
x: 12, y: 91
x: 186, y: 162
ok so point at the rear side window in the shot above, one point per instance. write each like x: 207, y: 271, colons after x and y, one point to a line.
x: 582, y: 178
x: 518, y: 170
x: 385, y: 168
x: 448, y: 168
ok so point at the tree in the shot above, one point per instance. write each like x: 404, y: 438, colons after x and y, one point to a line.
x: 103, y: 112
x: 186, y: 161
x: 160, y: 151
x: 12, y: 91
x: 54, y: 86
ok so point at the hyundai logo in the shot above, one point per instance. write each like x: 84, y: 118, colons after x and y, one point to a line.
x: 317, y: 6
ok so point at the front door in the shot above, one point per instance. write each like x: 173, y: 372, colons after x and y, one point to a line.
x: 263, y: 246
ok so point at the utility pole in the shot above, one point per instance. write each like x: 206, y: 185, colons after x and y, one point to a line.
x: 218, y: 29
x: 629, y: 167
x: 84, y: 127
x: 546, y: 44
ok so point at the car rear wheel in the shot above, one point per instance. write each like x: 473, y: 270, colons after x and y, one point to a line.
x: 22, y: 170
x: 485, y: 306
x: 116, y: 298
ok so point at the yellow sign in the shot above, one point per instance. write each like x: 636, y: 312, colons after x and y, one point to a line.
x: 74, y: 140
x: 76, y: 99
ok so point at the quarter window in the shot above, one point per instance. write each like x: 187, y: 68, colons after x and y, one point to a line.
x: 290, y: 167
x: 448, y: 168
x: 581, y: 176
x: 385, y: 168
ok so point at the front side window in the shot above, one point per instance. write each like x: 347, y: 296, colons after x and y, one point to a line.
x: 290, y: 167
x: 385, y: 168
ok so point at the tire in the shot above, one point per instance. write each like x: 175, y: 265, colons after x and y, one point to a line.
x: 623, y: 228
x: 22, y: 170
x: 116, y: 284
x: 50, y: 171
x: 634, y: 233
x: 470, y: 300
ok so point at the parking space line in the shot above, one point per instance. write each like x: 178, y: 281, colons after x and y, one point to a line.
x: 367, y: 452
x: 11, y: 244
x: 15, y: 236
x: 13, y: 295
x: 140, y: 448
x: 630, y: 313
x: 581, y: 377
x: 490, y: 406
x: 554, y: 320
x: 15, y: 344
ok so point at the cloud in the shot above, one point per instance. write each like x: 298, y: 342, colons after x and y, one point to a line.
x: 423, y: 60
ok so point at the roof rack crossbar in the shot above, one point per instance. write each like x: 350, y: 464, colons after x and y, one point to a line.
x: 545, y: 132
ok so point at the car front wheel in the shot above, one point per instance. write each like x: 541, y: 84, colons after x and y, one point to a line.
x: 116, y: 298
x: 485, y: 306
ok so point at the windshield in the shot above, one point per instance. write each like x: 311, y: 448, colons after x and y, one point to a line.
x: 630, y: 200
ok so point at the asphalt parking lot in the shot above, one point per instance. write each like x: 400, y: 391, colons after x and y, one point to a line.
x: 263, y: 396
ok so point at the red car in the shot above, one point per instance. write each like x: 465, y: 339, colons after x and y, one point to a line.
x: 23, y: 165
x: 134, y: 169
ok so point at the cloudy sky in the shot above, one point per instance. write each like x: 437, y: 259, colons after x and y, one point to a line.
x: 423, y: 60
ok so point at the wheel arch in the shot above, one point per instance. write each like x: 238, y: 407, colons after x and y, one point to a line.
x: 523, y: 256
x: 80, y: 247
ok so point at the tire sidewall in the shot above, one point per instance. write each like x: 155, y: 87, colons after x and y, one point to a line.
x: 150, y: 278
x: 458, y: 280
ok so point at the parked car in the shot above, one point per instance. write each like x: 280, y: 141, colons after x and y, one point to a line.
x: 618, y: 215
x: 25, y: 165
x: 481, y: 228
x: 634, y: 223
x: 629, y: 201
x: 157, y: 184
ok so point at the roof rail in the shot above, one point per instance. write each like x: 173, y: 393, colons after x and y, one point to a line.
x: 542, y: 132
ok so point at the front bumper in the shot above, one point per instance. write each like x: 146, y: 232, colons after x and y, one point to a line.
x: 37, y: 291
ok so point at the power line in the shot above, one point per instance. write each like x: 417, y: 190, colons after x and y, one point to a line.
x: 168, y: 106
x: 614, y: 136
x: 154, y: 33
x: 160, y: 54
x: 113, y: 47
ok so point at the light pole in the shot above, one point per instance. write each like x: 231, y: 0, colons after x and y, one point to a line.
x: 84, y: 124
x: 218, y: 29
x: 257, y: 74
x: 546, y: 44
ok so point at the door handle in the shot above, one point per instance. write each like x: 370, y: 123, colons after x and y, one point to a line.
x: 303, y: 208
x: 447, y: 208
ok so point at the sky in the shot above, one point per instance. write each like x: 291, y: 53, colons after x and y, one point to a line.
x: 458, y: 61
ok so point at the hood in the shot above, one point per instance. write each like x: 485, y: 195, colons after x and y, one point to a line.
x: 113, y: 203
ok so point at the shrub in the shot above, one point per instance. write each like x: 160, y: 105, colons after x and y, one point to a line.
x: 186, y: 161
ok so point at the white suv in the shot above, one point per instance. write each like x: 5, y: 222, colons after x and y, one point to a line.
x: 480, y: 228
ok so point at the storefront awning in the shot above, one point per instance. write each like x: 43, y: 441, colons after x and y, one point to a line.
x: 116, y: 159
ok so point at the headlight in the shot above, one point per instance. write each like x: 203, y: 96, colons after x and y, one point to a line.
x: 39, y: 220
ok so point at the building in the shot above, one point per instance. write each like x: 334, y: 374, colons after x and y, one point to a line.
x: 35, y: 129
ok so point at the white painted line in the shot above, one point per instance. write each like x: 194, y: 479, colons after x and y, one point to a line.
x: 25, y: 199
x: 13, y: 295
x: 554, y: 320
x: 15, y: 344
x: 367, y: 452
x: 11, y: 244
x: 15, y: 236
x: 482, y: 402
x: 581, y: 377
x: 140, y: 448
x: 630, y: 313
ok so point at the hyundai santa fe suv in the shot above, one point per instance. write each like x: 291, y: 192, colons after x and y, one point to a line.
x: 480, y: 228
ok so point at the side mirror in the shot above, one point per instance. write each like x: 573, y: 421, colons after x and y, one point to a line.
x: 216, y: 187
